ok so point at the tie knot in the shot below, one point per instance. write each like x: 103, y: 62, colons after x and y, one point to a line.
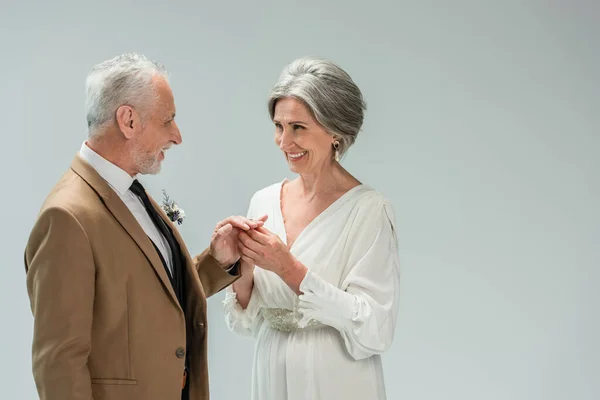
x: 137, y: 189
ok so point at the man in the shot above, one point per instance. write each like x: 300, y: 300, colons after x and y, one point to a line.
x: 119, y: 305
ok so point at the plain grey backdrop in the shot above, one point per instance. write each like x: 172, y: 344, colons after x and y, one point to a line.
x: 482, y: 128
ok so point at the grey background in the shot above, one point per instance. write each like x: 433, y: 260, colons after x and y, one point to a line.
x: 482, y: 127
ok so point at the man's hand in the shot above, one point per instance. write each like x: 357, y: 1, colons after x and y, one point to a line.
x: 223, y: 244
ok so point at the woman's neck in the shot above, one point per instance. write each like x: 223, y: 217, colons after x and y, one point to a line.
x: 326, y: 181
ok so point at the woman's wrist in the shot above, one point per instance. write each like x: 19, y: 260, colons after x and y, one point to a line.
x: 243, y: 292
x: 243, y: 288
x: 293, y: 273
x: 245, y: 281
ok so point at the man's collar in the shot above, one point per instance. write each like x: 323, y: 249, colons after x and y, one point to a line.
x: 117, y: 178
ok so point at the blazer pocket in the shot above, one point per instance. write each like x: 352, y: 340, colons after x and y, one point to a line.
x: 101, y: 381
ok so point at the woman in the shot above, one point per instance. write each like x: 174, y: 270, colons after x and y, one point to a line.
x: 322, y: 299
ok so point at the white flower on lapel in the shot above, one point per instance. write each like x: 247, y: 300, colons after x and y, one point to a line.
x: 172, y: 210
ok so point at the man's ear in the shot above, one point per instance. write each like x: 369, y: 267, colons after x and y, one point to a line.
x: 128, y: 120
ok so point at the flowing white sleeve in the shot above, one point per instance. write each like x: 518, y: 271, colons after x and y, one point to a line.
x: 243, y: 321
x: 364, y: 310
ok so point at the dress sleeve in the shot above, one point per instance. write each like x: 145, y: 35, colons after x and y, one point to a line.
x: 364, y: 309
x: 246, y: 321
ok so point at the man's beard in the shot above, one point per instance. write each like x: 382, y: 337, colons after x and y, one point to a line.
x: 146, y: 162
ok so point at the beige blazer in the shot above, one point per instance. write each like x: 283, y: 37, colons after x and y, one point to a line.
x: 107, y: 324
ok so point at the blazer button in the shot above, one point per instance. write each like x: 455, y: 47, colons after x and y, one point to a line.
x: 180, y: 353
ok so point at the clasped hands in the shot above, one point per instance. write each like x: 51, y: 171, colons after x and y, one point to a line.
x: 238, y: 238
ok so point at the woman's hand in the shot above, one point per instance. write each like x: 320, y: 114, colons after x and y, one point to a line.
x: 265, y: 249
x: 223, y: 244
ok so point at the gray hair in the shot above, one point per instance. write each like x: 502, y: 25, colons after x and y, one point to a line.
x: 123, y: 80
x: 330, y: 94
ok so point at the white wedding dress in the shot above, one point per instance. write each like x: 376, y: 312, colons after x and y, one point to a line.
x: 326, y: 343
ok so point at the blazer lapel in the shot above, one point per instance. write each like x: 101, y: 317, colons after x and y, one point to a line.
x: 189, y: 264
x: 122, y: 214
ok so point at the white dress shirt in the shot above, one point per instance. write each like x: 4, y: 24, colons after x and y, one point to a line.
x: 120, y: 181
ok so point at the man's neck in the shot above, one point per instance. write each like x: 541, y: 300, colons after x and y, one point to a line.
x: 111, y: 152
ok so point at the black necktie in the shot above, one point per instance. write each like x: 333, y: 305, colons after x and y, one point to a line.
x: 177, y: 260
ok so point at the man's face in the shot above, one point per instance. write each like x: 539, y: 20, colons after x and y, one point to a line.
x: 159, y: 131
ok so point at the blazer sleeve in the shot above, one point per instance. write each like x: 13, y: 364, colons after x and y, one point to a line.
x: 212, y: 275
x: 60, y: 282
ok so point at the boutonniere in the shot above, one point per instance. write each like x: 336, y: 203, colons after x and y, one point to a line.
x: 172, y: 210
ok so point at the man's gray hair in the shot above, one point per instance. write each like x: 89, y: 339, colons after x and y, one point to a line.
x: 123, y: 80
x: 328, y: 91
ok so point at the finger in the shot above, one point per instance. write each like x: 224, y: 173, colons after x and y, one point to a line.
x: 264, y: 231
x: 255, y: 223
x: 235, y: 221
x: 220, y: 224
x: 241, y: 222
x: 248, y: 242
x: 258, y: 236
x: 219, y: 234
x: 224, y: 230
x: 261, y: 220
x: 247, y: 252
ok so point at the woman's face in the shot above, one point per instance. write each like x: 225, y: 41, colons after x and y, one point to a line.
x: 306, y: 144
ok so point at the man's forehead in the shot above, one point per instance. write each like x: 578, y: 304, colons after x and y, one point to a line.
x: 163, y: 90
x: 161, y: 84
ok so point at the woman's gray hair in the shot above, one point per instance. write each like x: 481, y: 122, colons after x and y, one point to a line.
x: 123, y: 80
x: 330, y: 94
